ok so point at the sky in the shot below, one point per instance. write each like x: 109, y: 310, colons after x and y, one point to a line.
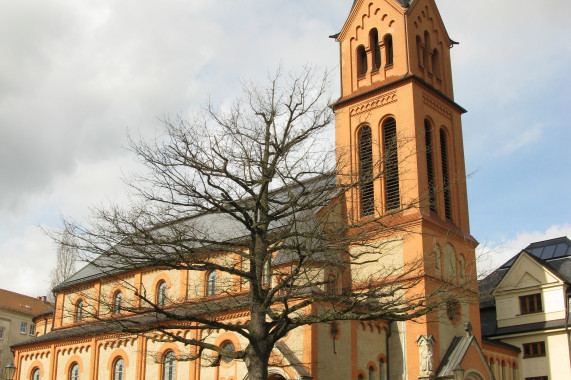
x: 78, y: 77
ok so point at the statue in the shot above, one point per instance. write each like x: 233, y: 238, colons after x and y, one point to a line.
x: 425, y: 344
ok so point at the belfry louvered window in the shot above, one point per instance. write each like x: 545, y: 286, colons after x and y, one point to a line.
x: 391, y: 165
x: 366, y: 171
x: 429, y: 164
x: 445, y: 175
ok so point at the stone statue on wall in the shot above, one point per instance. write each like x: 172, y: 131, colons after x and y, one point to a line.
x: 425, y: 344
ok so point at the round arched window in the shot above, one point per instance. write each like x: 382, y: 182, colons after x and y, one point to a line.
x: 161, y: 293
x: 117, y: 300
x: 79, y: 311
x: 36, y: 374
x: 119, y: 369
x: 169, y: 371
x: 74, y: 372
x: 229, y: 346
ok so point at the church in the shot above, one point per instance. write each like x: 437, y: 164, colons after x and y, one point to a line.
x: 396, y: 83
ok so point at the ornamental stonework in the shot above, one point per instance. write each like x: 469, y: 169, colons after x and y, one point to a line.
x: 437, y: 106
x: 377, y: 102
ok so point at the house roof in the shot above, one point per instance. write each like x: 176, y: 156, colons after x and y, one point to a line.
x: 23, y: 304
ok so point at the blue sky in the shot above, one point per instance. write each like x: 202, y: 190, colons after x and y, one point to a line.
x: 75, y: 77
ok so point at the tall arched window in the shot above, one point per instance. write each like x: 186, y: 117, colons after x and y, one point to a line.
x: 375, y: 48
x: 161, y: 293
x: 119, y: 369
x: 420, y: 52
x: 79, y: 311
x: 436, y: 63
x: 388, y: 42
x: 445, y: 175
x: 426, y: 50
x: 36, y: 374
x: 382, y: 369
x: 74, y: 372
x: 429, y: 164
x: 391, y: 165
x: 361, y: 60
x: 211, y: 283
x: 117, y: 300
x: 366, y: 171
x: 371, y: 373
x: 169, y: 367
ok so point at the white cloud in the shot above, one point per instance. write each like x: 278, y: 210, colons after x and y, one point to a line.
x: 492, y: 254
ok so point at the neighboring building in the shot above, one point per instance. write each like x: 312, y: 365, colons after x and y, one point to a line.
x: 395, y: 81
x: 16, y: 325
x: 525, y: 303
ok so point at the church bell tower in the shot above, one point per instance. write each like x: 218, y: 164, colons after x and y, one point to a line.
x: 397, y: 124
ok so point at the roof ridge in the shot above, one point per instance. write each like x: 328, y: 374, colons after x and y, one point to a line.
x: 22, y: 295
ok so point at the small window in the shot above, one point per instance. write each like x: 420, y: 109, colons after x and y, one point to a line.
x: 375, y: 48
x: 211, y: 283
x: 1, y: 332
x: 23, y: 327
x: 36, y: 374
x: 32, y: 329
x: 453, y: 311
x: 388, y: 42
x: 361, y: 61
x: 161, y: 293
x: 117, y: 300
x: 119, y: 369
x: 79, y: 311
x: 229, y: 346
x: 530, y: 304
x: 74, y: 372
x: 330, y: 285
x: 360, y: 377
x: 366, y: 171
x: 531, y: 350
x: 169, y: 370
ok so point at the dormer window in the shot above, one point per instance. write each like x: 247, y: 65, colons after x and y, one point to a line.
x: 530, y: 304
x: 361, y: 61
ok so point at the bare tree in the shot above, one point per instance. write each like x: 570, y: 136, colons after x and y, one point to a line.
x: 66, y: 257
x: 255, y: 193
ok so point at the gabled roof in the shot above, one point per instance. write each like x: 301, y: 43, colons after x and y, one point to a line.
x: 456, y: 353
x: 554, y: 254
x: 23, y: 304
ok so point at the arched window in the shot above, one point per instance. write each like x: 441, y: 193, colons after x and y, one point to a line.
x: 445, y: 178
x: 375, y: 48
x: 436, y: 63
x: 390, y: 160
x: 382, y: 369
x: 371, y: 373
x: 36, y: 374
x: 366, y: 171
x: 169, y: 366
x: 161, y: 293
x: 462, y: 268
x: 360, y: 377
x: 388, y: 42
x: 74, y: 372
x: 79, y: 311
x: 117, y: 299
x: 429, y: 164
x: 119, y: 369
x: 426, y: 50
x: 211, y: 283
x: 330, y: 284
x: 361, y: 60
x: 420, y: 52
x: 228, y: 346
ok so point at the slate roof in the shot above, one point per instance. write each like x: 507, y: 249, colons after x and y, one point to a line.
x: 223, y: 227
x: 23, y: 304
